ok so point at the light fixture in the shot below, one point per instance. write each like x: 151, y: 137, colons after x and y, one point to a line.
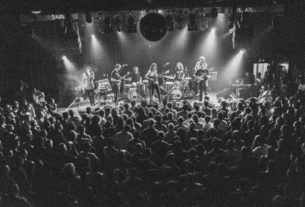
x: 118, y: 23
x: 88, y: 18
x: 131, y: 25
x: 192, y: 25
x: 36, y: 12
x: 242, y: 51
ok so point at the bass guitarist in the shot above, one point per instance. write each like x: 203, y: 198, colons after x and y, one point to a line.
x: 152, y: 76
x: 201, y: 76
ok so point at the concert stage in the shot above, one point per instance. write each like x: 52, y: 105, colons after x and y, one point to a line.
x: 80, y: 106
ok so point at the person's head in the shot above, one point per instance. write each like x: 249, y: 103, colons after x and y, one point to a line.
x: 126, y: 106
x: 179, y: 66
x: 136, y: 69
x: 192, y: 126
x: 180, y: 120
x: 170, y: 127
x: 153, y: 67
x: 88, y: 70
x: 202, y: 59
x: 151, y: 122
x: 117, y: 67
x: 69, y: 170
x: 207, y: 119
x: 195, y: 118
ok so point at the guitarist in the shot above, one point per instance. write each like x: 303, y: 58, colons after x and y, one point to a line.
x: 201, y: 76
x: 116, y: 81
x: 152, y: 76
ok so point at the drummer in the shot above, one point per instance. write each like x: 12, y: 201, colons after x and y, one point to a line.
x: 136, y: 76
x: 179, y: 72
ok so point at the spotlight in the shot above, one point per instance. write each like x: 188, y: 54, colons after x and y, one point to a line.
x: 107, y: 25
x: 92, y: 36
x: 180, y: 21
x: 36, y: 12
x: 63, y: 57
x: 242, y: 51
x: 88, y: 18
x: 213, y: 29
x: 160, y: 11
x: 214, y: 13
x: 131, y: 25
x: 192, y: 25
x: 118, y: 23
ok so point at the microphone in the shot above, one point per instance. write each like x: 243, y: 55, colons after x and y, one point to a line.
x: 166, y: 64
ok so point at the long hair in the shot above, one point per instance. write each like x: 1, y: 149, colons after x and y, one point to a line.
x: 152, y: 66
x: 179, y: 66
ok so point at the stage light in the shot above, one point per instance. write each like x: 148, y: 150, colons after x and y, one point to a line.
x: 92, y: 36
x: 180, y: 21
x: 233, y: 68
x: 160, y: 11
x: 36, y: 12
x: 214, y: 13
x: 192, y: 25
x: 88, y: 18
x: 131, y: 25
x: 118, y: 23
x: 242, y: 51
x: 213, y: 29
x: 107, y: 26
x: 68, y: 64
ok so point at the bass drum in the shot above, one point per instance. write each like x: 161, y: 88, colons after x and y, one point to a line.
x: 176, y: 94
x: 133, y: 94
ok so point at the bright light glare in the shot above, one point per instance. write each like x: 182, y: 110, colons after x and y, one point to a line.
x: 63, y: 57
x: 68, y: 64
x: 213, y: 29
x: 232, y: 69
x: 242, y: 51
x: 92, y: 36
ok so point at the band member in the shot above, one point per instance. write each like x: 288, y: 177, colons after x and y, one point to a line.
x: 88, y: 84
x: 116, y: 81
x: 201, y: 75
x: 152, y: 76
x: 136, y: 80
x: 135, y: 75
x: 179, y: 74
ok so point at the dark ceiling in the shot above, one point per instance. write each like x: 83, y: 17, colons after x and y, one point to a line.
x: 62, y: 6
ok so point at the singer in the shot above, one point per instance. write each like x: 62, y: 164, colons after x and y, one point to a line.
x: 88, y: 84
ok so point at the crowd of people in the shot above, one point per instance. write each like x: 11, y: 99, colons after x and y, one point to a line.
x: 230, y: 153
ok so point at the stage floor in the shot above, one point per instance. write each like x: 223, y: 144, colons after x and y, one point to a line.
x: 81, y: 105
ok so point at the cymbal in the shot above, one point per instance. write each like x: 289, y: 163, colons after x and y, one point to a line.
x: 187, y: 78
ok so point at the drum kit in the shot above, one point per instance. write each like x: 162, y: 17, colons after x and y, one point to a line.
x: 178, y: 89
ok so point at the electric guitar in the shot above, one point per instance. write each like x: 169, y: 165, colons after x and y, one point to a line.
x: 151, y: 80
x: 119, y: 81
x: 202, y: 75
